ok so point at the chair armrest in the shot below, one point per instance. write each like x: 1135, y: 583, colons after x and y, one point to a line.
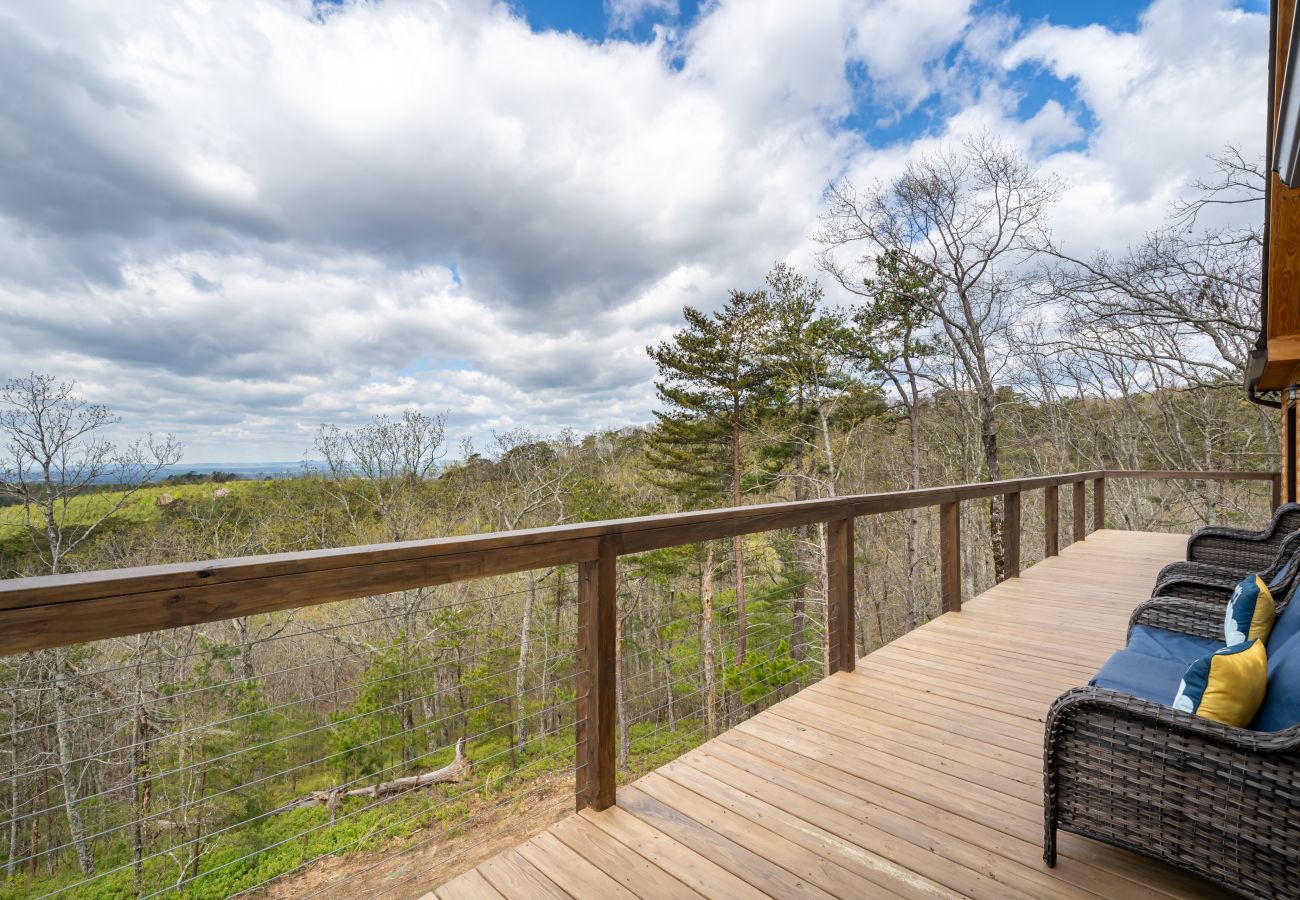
x: 1215, y: 590
x: 1153, y: 728
x: 1196, y: 571
x: 1199, y: 618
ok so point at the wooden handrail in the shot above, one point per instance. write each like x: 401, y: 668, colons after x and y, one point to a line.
x: 55, y: 610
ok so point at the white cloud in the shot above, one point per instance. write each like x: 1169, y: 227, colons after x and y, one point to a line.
x: 1191, y: 80
x: 238, y: 221
x: 623, y: 14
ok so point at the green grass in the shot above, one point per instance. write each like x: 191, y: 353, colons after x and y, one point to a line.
x: 142, y: 507
x: 276, y: 845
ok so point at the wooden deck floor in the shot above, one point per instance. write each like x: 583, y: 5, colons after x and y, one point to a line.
x: 918, y: 775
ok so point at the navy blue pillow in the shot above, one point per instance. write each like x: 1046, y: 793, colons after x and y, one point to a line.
x: 1281, y: 707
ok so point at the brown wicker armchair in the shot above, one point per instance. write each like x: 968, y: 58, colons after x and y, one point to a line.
x: 1242, y: 550
x: 1203, y: 581
x: 1208, y: 798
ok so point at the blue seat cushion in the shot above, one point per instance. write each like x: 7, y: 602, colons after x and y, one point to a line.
x: 1281, y: 707
x: 1149, y: 677
x: 1175, y: 645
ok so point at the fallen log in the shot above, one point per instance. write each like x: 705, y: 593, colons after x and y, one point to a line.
x: 457, y: 770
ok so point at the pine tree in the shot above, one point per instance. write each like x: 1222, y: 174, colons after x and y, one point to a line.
x: 714, y: 381
x: 894, y: 338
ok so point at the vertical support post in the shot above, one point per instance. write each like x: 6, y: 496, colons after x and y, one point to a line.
x: 1099, y: 504
x: 1011, y: 533
x: 1288, y: 445
x: 950, y: 556
x: 839, y: 594
x: 1277, y: 490
x: 1078, y: 506
x: 597, y: 593
x: 1051, y: 521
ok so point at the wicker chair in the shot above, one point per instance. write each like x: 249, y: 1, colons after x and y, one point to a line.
x: 1211, y: 799
x: 1203, y: 581
x: 1242, y: 550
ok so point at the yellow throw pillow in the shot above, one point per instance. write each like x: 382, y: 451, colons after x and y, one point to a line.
x: 1227, y: 686
x: 1250, y: 613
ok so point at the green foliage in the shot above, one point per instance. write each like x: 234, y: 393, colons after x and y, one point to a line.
x: 764, y: 672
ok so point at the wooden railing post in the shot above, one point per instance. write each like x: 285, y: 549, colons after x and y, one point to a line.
x: 1099, y: 504
x: 1277, y: 489
x: 594, y: 725
x: 1011, y: 534
x: 1078, y: 506
x: 950, y: 556
x: 1051, y: 520
x: 839, y: 595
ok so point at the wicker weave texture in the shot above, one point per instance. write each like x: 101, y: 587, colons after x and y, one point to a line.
x: 1218, y: 801
x: 1240, y: 550
x: 1207, y: 798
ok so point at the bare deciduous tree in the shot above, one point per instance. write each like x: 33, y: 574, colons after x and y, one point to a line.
x: 55, y: 450
x: 971, y: 217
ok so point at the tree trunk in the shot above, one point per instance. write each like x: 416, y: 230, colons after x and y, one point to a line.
x: 620, y: 694
x: 63, y: 735
x: 913, y: 515
x: 521, y: 674
x: 993, y: 472
x: 140, y: 745
x: 13, y: 785
x: 706, y: 638
x: 459, y: 769
x: 737, y: 542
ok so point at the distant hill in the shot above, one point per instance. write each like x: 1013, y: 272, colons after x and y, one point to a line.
x: 253, y: 471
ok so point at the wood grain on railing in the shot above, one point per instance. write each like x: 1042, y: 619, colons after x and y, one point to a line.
x: 950, y: 557
x: 1079, y: 509
x: 594, y: 684
x: 1011, y: 536
x: 1051, y: 521
x: 839, y: 596
x: 57, y: 610
x: 1099, y: 503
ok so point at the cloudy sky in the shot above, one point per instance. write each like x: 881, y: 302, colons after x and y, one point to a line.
x: 236, y: 221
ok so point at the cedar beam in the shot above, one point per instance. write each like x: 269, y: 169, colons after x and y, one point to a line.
x: 1078, y: 507
x: 594, y: 763
x: 1098, y: 504
x: 1051, y: 521
x: 950, y: 557
x: 1011, y: 534
x: 839, y: 595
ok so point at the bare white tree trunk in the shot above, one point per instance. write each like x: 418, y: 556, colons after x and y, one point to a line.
x: 63, y: 736
x: 521, y: 674
x: 706, y: 637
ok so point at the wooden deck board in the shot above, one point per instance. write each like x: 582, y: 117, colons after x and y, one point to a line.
x: 917, y: 775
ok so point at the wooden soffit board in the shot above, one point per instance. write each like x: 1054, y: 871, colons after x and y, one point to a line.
x: 1283, y: 366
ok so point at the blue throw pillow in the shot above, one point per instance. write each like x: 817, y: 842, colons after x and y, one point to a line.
x: 1281, y: 707
x: 1227, y: 686
x: 1250, y: 613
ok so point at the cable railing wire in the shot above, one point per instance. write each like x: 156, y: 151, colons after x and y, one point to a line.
x: 160, y: 814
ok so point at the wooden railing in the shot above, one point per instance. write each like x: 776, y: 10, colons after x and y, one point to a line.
x: 52, y: 611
